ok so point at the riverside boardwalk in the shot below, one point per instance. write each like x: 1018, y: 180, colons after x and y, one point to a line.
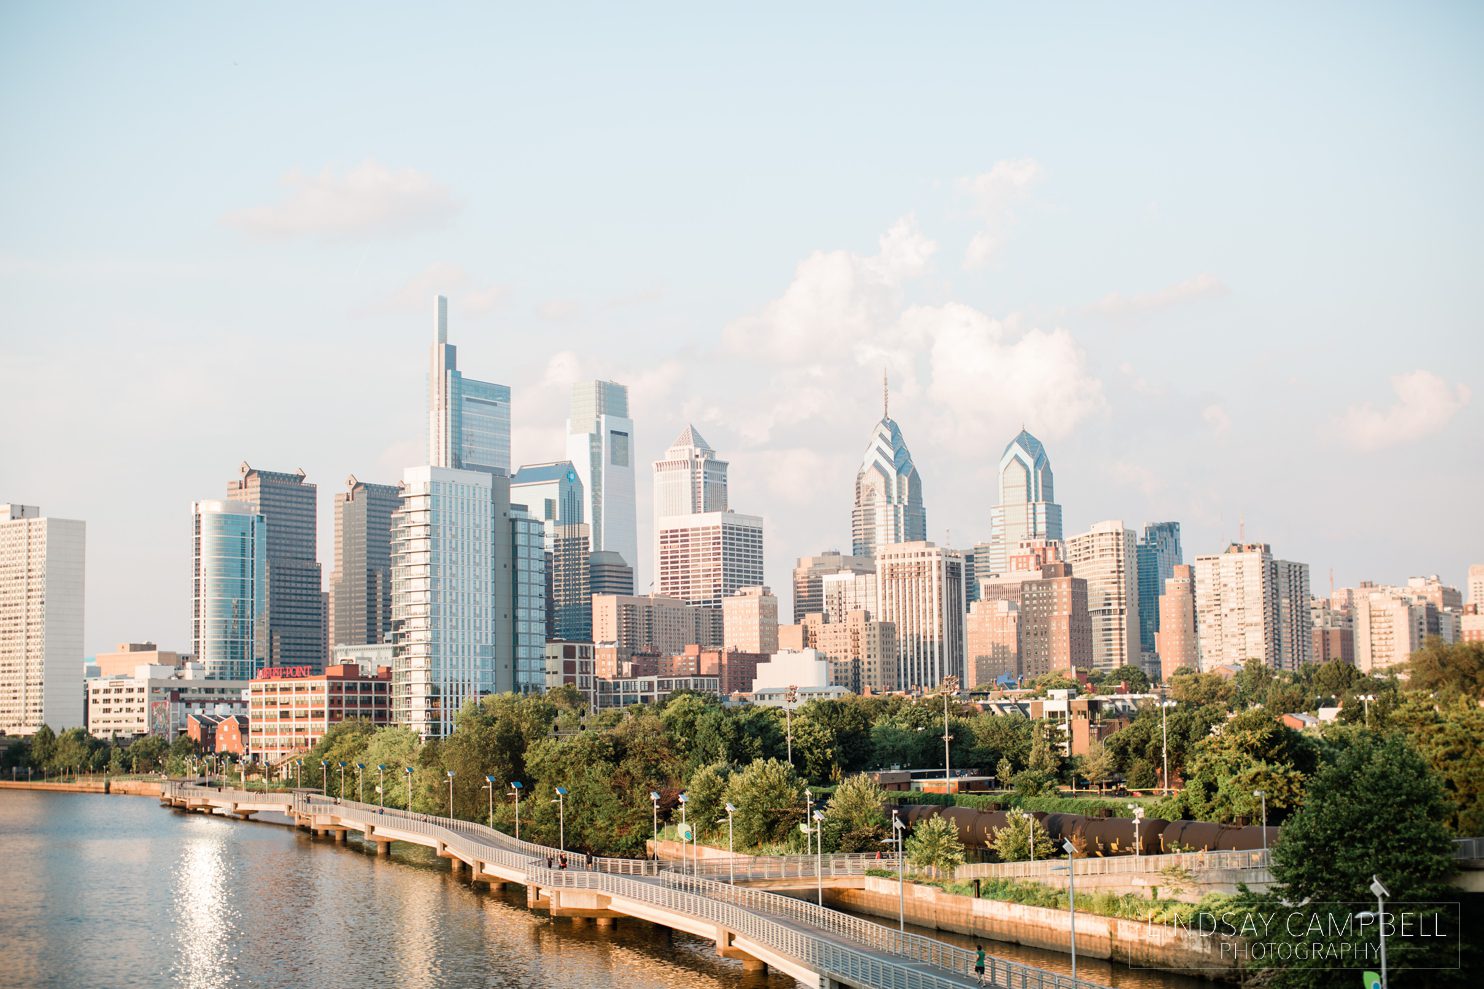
x: 817, y: 946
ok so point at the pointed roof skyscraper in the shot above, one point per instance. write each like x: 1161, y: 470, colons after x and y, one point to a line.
x: 888, y: 489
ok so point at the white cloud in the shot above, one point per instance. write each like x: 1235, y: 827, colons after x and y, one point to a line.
x: 1217, y: 418
x: 980, y: 371
x: 994, y: 194
x: 466, y: 295
x: 1199, y: 286
x: 836, y: 298
x: 370, y: 199
x: 557, y: 310
x: 1425, y: 403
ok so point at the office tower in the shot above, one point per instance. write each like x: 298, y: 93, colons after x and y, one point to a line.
x: 847, y: 591
x: 1026, y: 562
x: 992, y: 637
x: 1027, y: 508
x: 452, y: 596
x: 296, y: 607
x: 1476, y: 585
x: 1250, y: 606
x: 750, y: 621
x: 653, y: 624
x: 888, y: 492
x: 229, y: 630
x: 528, y: 586
x: 361, y: 586
x: 1055, y: 627
x: 689, y: 479
x: 920, y: 590
x: 600, y: 444
x: 862, y: 652
x: 1107, y: 558
x: 810, y: 571
x: 42, y: 576
x: 1334, y: 631
x: 1159, y: 552
x: 609, y: 574
x: 468, y: 420
x: 708, y: 557
x: 553, y: 493
x: 1175, y: 640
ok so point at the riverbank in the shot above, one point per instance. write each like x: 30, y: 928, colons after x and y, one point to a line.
x: 131, y: 788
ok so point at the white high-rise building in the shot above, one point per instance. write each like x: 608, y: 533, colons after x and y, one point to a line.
x: 42, y: 572
x: 453, y: 615
x: 1250, y: 606
x: 847, y: 591
x: 1389, y: 626
x: 707, y: 557
x: 689, y: 479
x: 750, y: 621
x: 888, y: 491
x: 600, y: 444
x: 1106, y: 557
x: 920, y: 589
x: 1476, y: 585
x: 1027, y: 509
x: 468, y: 419
x: 229, y: 568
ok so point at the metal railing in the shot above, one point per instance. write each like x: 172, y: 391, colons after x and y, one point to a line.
x: 1116, y: 865
x: 783, y: 866
x: 848, y: 948
x: 1468, y: 849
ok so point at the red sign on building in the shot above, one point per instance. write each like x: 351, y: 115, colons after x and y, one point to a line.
x: 285, y: 672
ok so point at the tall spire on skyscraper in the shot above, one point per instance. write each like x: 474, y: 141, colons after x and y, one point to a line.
x: 888, y: 490
x: 885, y: 397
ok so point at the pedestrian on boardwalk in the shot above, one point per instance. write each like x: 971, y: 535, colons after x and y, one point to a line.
x: 979, y: 962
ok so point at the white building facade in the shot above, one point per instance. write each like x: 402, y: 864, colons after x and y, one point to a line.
x: 920, y: 590
x: 1250, y: 606
x: 705, y: 558
x: 1107, y: 558
x: 42, y: 576
x: 157, y: 700
x: 600, y: 445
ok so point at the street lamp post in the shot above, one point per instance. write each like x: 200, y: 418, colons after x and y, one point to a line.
x: 409, y: 773
x: 381, y: 784
x: 654, y: 800
x: 515, y: 787
x: 561, y: 793
x: 324, y: 777
x: 298, y: 774
x: 731, y: 848
x: 450, y: 793
x: 1164, y: 736
x: 819, y: 853
x: 489, y: 784
x: 342, y: 780
x: 684, y: 799
x: 1071, y: 851
x: 1138, y: 813
x: 950, y: 687
x: 1381, y: 894
x: 1263, y: 796
x: 898, y: 830
x: 1366, y: 700
x: 361, y: 782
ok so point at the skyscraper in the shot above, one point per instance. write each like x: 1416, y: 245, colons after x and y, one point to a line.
x: 1055, y: 628
x: 528, y: 586
x: 296, y: 606
x: 468, y: 419
x: 888, y: 491
x: 600, y: 444
x: 361, y: 586
x: 689, y: 479
x: 1476, y: 585
x: 707, y: 557
x: 920, y: 590
x: 1159, y: 553
x: 42, y: 577
x: 1250, y: 606
x: 1027, y: 509
x: 750, y: 621
x: 553, y: 493
x: 229, y: 625
x: 992, y: 636
x: 1107, y: 558
x: 809, y: 574
x: 1175, y: 641
x: 447, y: 577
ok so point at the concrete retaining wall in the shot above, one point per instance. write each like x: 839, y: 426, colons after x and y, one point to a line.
x: 1132, y: 942
x: 135, y: 788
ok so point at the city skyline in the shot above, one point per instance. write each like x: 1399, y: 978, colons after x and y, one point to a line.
x: 1133, y: 305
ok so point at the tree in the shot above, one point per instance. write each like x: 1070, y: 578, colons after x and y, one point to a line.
x: 934, y: 844
x: 1044, y: 757
x: 1449, y: 735
x: 1456, y: 668
x: 706, y: 798
x: 855, y: 819
x: 1055, y: 680
x: 43, y: 747
x: 769, y: 797
x: 1012, y: 843
x: 831, y: 738
x: 1134, y: 676
x: 1004, y: 772
x: 1200, y: 689
x: 1098, y: 764
x: 1252, y: 751
x: 1373, y: 809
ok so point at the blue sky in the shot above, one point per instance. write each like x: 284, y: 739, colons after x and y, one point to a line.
x: 1223, y: 260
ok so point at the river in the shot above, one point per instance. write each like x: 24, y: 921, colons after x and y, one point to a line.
x: 111, y: 891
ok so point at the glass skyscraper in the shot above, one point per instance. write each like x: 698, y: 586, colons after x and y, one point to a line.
x: 1027, y: 509
x: 888, y: 492
x: 230, y: 576
x: 468, y: 420
x: 296, y: 604
x: 600, y: 445
x: 1159, y: 554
